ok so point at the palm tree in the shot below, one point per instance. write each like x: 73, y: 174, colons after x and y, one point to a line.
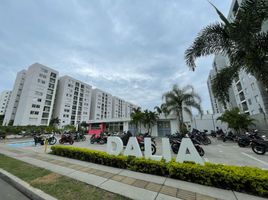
x: 137, y: 117
x: 243, y: 42
x: 149, y: 119
x: 180, y: 100
x: 161, y: 109
x: 236, y: 120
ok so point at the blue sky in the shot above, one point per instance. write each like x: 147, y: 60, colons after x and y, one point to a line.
x: 132, y: 49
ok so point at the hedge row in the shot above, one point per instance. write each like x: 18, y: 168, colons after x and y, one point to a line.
x: 242, y: 179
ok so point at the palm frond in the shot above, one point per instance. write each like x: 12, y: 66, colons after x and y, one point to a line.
x: 213, y: 39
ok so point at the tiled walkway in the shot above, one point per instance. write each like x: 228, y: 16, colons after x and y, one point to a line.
x: 131, y: 184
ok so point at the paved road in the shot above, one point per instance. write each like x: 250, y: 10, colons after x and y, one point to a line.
x: 7, y: 192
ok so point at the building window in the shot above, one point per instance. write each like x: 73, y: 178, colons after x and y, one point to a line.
x: 249, y: 101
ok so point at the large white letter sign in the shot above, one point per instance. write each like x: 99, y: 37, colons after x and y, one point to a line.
x: 118, y: 145
x: 166, y: 149
x: 148, y: 150
x: 133, y: 148
x: 193, y: 155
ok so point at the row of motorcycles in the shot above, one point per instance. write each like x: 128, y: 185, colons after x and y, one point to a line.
x: 102, y: 139
x: 258, y: 143
x: 66, y: 137
x: 198, y: 138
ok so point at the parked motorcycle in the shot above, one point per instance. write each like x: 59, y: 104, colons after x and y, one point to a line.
x: 140, y: 140
x: 79, y: 137
x: 213, y: 133
x: 39, y: 139
x: 259, y: 146
x: 201, y: 137
x: 175, y: 146
x: 66, y: 138
x: 229, y: 136
x: 100, y: 139
x: 51, y: 139
x: 247, y: 138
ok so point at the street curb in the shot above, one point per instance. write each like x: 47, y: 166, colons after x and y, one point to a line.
x: 23, y: 187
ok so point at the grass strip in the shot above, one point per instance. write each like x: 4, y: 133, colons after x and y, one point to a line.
x: 58, y: 186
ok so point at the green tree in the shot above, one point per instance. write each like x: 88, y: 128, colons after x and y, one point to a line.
x: 69, y: 128
x: 149, y: 120
x: 54, y: 122
x: 137, y: 117
x: 236, y: 120
x: 243, y: 41
x: 180, y: 100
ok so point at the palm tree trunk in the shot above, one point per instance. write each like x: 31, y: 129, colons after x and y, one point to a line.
x: 180, y: 119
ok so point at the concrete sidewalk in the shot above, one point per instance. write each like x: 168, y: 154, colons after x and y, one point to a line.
x: 127, y: 183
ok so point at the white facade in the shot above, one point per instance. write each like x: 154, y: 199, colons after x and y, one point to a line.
x: 129, y: 108
x: 101, y: 105
x: 14, y: 98
x: 218, y: 64
x: 73, y: 101
x: 119, y: 108
x: 246, y: 92
x: 4, y: 99
x: 37, y: 98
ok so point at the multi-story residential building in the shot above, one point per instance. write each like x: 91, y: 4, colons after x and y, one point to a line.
x: 14, y: 98
x: 129, y: 108
x: 246, y: 92
x: 37, y: 97
x: 119, y: 108
x: 73, y: 101
x: 4, y: 99
x: 101, y: 105
x: 218, y: 64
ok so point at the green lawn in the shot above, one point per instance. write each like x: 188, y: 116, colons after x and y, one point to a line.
x: 56, y: 185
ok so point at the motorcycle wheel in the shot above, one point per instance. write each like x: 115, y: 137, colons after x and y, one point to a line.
x: 84, y: 138
x: 42, y: 142
x: 53, y: 141
x: 71, y: 142
x: 200, y: 150
x: 61, y: 141
x: 175, y: 148
x: 224, y: 139
x: 101, y: 141
x: 259, y: 149
x: 153, y: 147
x: 208, y: 140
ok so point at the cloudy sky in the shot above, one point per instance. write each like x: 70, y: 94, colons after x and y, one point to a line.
x: 132, y: 49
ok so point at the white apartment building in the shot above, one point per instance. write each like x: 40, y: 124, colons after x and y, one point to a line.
x: 129, y: 108
x: 14, y: 98
x: 37, y: 97
x: 4, y: 99
x: 101, y: 105
x: 119, y: 108
x: 73, y: 101
x: 218, y: 64
x: 246, y: 92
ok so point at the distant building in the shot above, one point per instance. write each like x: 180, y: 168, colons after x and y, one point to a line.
x: 73, y: 101
x: 36, y: 101
x: 4, y: 99
x: 14, y: 98
x: 101, y: 105
x: 119, y: 108
x: 38, y: 96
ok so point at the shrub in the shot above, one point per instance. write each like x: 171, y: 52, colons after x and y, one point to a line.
x: 243, y: 179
